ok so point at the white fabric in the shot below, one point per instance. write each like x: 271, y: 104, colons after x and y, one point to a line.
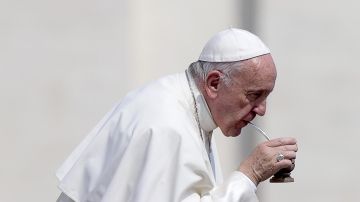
x: 207, y: 123
x: 148, y: 148
x: 233, y: 45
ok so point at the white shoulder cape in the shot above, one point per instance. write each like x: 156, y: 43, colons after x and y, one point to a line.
x: 148, y: 149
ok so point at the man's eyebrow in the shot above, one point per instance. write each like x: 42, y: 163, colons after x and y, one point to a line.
x: 258, y: 89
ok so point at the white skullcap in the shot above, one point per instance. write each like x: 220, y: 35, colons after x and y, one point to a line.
x: 233, y: 45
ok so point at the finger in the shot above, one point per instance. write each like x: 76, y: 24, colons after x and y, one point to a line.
x: 286, y: 163
x: 289, y: 154
x: 293, y: 147
x: 281, y: 141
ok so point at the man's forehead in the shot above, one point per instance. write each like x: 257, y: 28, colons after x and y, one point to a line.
x: 259, y: 65
x: 257, y: 73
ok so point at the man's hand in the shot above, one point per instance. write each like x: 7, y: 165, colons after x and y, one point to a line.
x: 262, y: 163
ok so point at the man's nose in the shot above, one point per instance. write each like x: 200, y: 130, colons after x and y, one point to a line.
x: 260, y: 108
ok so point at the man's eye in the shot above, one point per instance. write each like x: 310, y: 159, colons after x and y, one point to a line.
x: 253, y: 96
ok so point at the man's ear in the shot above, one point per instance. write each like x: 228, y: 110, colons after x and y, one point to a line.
x: 212, y: 82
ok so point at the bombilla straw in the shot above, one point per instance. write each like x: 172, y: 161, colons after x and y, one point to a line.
x: 259, y: 130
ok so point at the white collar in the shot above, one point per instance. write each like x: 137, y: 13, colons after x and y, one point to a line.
x: 206, y: 120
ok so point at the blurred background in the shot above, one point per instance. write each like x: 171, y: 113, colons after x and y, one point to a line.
x: 63, y: 64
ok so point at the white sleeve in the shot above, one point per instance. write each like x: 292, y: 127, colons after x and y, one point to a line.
x: 238, y: 187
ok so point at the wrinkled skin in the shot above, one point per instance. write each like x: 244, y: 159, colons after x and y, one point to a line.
x: 233, y: 106
x: 262, y: 164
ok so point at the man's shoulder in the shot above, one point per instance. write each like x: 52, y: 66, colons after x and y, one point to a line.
x: 169, y: 94
x: 164, y: 104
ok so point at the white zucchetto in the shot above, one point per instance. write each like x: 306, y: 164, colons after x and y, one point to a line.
x: 233, y: 45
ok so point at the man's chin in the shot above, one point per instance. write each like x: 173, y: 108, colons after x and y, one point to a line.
x: 233, y: 133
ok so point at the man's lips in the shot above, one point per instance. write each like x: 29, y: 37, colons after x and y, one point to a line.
x: 247, y: 121
x: 249, y: 118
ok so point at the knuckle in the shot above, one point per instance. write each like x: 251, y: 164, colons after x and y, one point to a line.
x: 262, y: 148
x: 290, y: 155
x: 282, y: 141
x: 288, y: 147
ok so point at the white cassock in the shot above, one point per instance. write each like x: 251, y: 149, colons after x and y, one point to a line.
x: 148, y: 149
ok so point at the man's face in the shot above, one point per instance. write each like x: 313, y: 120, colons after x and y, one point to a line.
x: 233, y: 106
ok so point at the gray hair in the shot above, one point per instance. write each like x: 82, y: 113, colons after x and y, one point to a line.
x: 200, y: 69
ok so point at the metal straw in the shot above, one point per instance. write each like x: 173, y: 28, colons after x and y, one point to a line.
x: 259, y: 130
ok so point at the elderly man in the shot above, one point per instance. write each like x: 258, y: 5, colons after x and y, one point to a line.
x: 156, y: 144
